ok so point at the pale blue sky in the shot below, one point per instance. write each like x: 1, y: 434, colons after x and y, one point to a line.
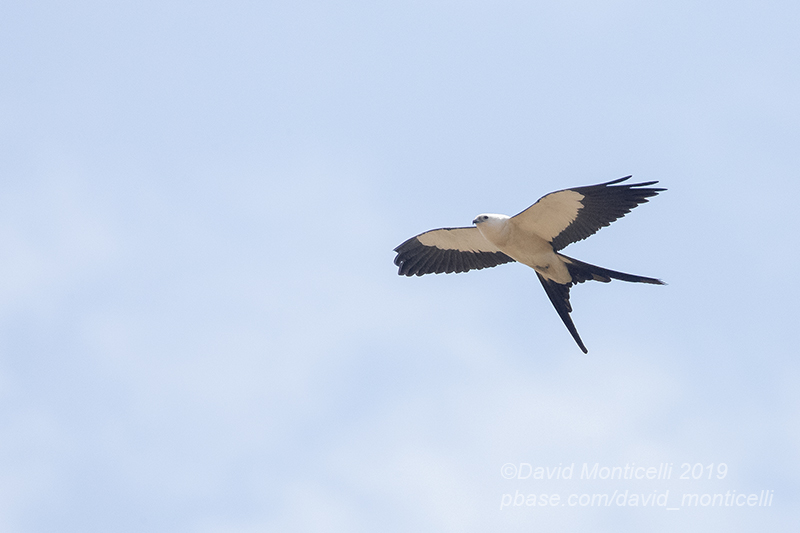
x: 201, y: 328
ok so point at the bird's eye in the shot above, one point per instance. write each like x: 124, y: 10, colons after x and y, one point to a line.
x: 485, y: 217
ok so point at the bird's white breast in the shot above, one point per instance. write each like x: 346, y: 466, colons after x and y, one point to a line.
x: 525, y: 247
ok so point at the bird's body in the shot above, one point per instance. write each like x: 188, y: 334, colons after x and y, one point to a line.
x: 525, y: 247
x: 533, y: 238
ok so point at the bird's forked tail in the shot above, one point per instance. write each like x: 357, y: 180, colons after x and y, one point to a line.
x: 581, y: 272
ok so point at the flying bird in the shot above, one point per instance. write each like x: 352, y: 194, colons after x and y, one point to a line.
x: 534, y: 238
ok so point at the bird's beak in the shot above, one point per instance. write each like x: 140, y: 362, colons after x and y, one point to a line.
x: 475, y: 221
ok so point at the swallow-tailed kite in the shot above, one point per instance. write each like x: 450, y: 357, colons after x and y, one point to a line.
x: 532, y: 237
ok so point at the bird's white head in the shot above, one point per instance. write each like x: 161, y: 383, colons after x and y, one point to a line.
x: 491, y: 226
x: 490, y: 219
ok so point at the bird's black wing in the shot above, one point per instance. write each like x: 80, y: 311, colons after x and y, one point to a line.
x: 571, y: 215
x: 447, y: 250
